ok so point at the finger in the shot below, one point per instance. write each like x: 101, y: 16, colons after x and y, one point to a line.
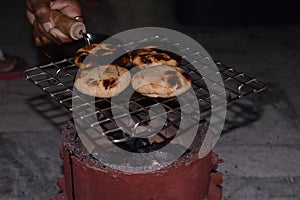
x: 41, y: 41
x: 41, y: 33
x: 30, y: 16
x: 45, y: 41
x: 37, y: 41
x: 42, y: 12
x: 60, y: 36
x: 71, y: 8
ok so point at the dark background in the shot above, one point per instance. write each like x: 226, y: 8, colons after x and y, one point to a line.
x: 237, y: 12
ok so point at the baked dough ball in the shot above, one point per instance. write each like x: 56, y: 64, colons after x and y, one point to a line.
x: 103, y: 81
x: 148, y: 57
x: 161, y: 81
x: 97, y: 54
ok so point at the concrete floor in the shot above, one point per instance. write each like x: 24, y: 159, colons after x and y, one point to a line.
x: 262, y: 155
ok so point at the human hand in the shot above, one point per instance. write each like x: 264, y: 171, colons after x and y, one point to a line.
x: 40, y: 14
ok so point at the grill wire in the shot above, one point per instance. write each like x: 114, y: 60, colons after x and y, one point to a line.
x: 57, y: 79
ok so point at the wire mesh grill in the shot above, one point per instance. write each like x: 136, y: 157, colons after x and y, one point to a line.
x: 57, y: 79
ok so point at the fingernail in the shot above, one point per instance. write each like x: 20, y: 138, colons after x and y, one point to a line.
x: 47, y: 26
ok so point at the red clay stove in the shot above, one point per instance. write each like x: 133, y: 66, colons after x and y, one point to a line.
x: 85, y: 178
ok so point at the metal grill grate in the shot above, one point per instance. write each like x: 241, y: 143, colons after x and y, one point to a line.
x: 57, y: 78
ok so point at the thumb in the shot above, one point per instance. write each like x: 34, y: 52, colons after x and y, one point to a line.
x: 43, y: 15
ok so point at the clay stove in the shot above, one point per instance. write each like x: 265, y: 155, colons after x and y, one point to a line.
x: 188, y: 178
